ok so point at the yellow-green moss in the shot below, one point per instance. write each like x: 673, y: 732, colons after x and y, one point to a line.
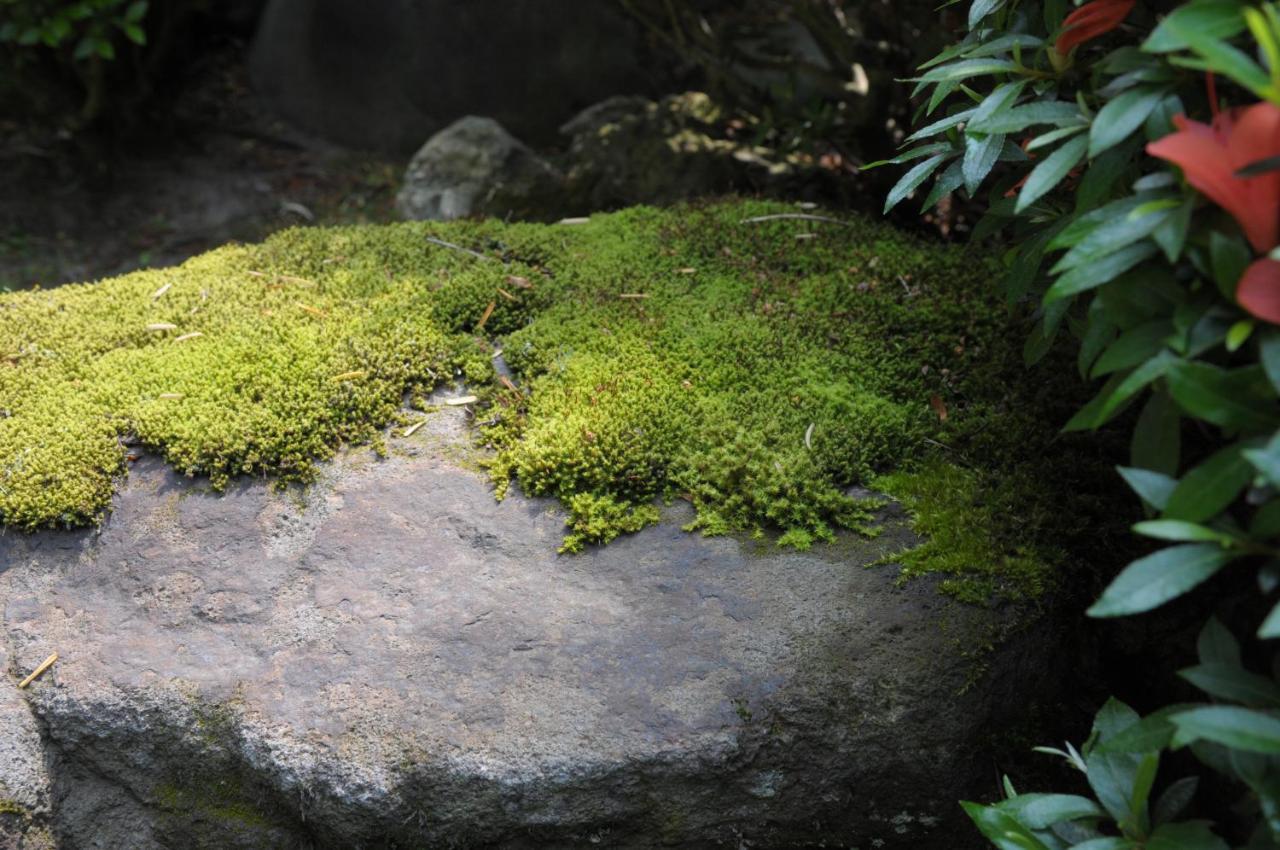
x: 756, y: 369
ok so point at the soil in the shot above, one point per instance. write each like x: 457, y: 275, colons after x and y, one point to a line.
x: 219, y: 168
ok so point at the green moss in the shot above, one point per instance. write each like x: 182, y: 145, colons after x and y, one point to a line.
x: 755, y: 369
x: 221, y: 802
x: 967, y: 537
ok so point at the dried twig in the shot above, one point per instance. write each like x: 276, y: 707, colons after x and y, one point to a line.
x: 792, y: 216
x: 453, y: 247
x: 488, y: 311
x: 44, y: 665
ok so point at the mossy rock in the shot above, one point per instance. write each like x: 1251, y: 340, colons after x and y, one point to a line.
x: 756, y: 363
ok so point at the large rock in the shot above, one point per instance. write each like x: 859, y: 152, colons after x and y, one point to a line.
x: 388, y: 75
x: 475, y: 167
x: 395, y: 659
x: 24, y: 780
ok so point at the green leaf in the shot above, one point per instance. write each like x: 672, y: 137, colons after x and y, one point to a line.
x: 1157, y: 435
x: 1000, y: 98
x: 980, y: 155
x: 1084, y: 278
x: 948, y: 181
x: 1106, y: 843
x: 1134, y: 346
x: 1206, y: 490
x: 1171, y: 235
x: 1098, y: 334
x: 1216, y: 645
x: 1230, y: 257
x: 1220, y: 57
x: 1267, y: 460
x: 1266, y: 522
x: 1214, y: 18
x: 1001, y: 829
x: 967, y: 68
x: 1041, y: 811
x: 914, y: 153
x: 136, y: 11
x: 912, y: 179
x: 1103, y: 173
x: 1154, y: 488
x: 1056, y: 112
x: 1150, y: 582
x: 980, y: 9
x: 1120, y: 117
x: 1269, y: 351
x: 1227, y: 399
x: 1270, y: 627
x: 940, y: 125
x: 1239, y: 334
x: 1046, y: 139
x: 134, y: 33
x: 1237, y: 728
x: 1175, y: 799
x: 1189, y: 835
x: 1118, y: 390
x: 1231, y: 682
x: 1111, y: 237
x: 1148, y: 735
x: 1180, y: 531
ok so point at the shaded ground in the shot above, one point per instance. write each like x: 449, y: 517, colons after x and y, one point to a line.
x: 79, y: 208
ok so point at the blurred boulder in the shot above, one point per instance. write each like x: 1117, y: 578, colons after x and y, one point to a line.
x: 388, y: 75
x: 632, y: 150
x: 475, y: 167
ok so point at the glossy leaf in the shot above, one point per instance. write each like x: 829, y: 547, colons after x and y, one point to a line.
x: 1208, y: 488
x: 1050, y: 172
x: 1150, y: 582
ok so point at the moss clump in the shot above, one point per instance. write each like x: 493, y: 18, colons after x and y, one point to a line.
x: 756, y: 369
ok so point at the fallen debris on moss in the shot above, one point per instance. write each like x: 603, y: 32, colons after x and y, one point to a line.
x: 751, y: 362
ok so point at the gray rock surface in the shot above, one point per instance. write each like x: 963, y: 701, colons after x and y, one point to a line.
x: 475, y: 167
x: 393, y: 659
x: 388, y: 75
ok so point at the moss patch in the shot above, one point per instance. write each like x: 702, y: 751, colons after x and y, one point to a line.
x: 757, y: 369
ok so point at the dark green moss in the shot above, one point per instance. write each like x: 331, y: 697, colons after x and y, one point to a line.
x: 757, y: 369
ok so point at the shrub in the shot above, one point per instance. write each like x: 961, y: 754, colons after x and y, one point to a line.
x: 1133, y: 163
x: 78, y: 36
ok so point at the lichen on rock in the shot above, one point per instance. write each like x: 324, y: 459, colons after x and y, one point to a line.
x: 756, y: 367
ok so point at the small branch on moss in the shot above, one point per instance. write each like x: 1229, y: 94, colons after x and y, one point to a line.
x: 792, y: 216
x: 453, y: 247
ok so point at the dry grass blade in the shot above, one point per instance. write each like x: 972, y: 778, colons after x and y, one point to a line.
x: 461, y: 400
x: 161, y: 291
x: 412, y: 429
x: 35, y: 674
x: 185, y: 337
x: 161, y: 326
x: 488, y: 311
x: 506, y: 295
x: 350, y: 376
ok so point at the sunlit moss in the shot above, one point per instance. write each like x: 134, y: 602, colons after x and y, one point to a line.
x: 757, y: 369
